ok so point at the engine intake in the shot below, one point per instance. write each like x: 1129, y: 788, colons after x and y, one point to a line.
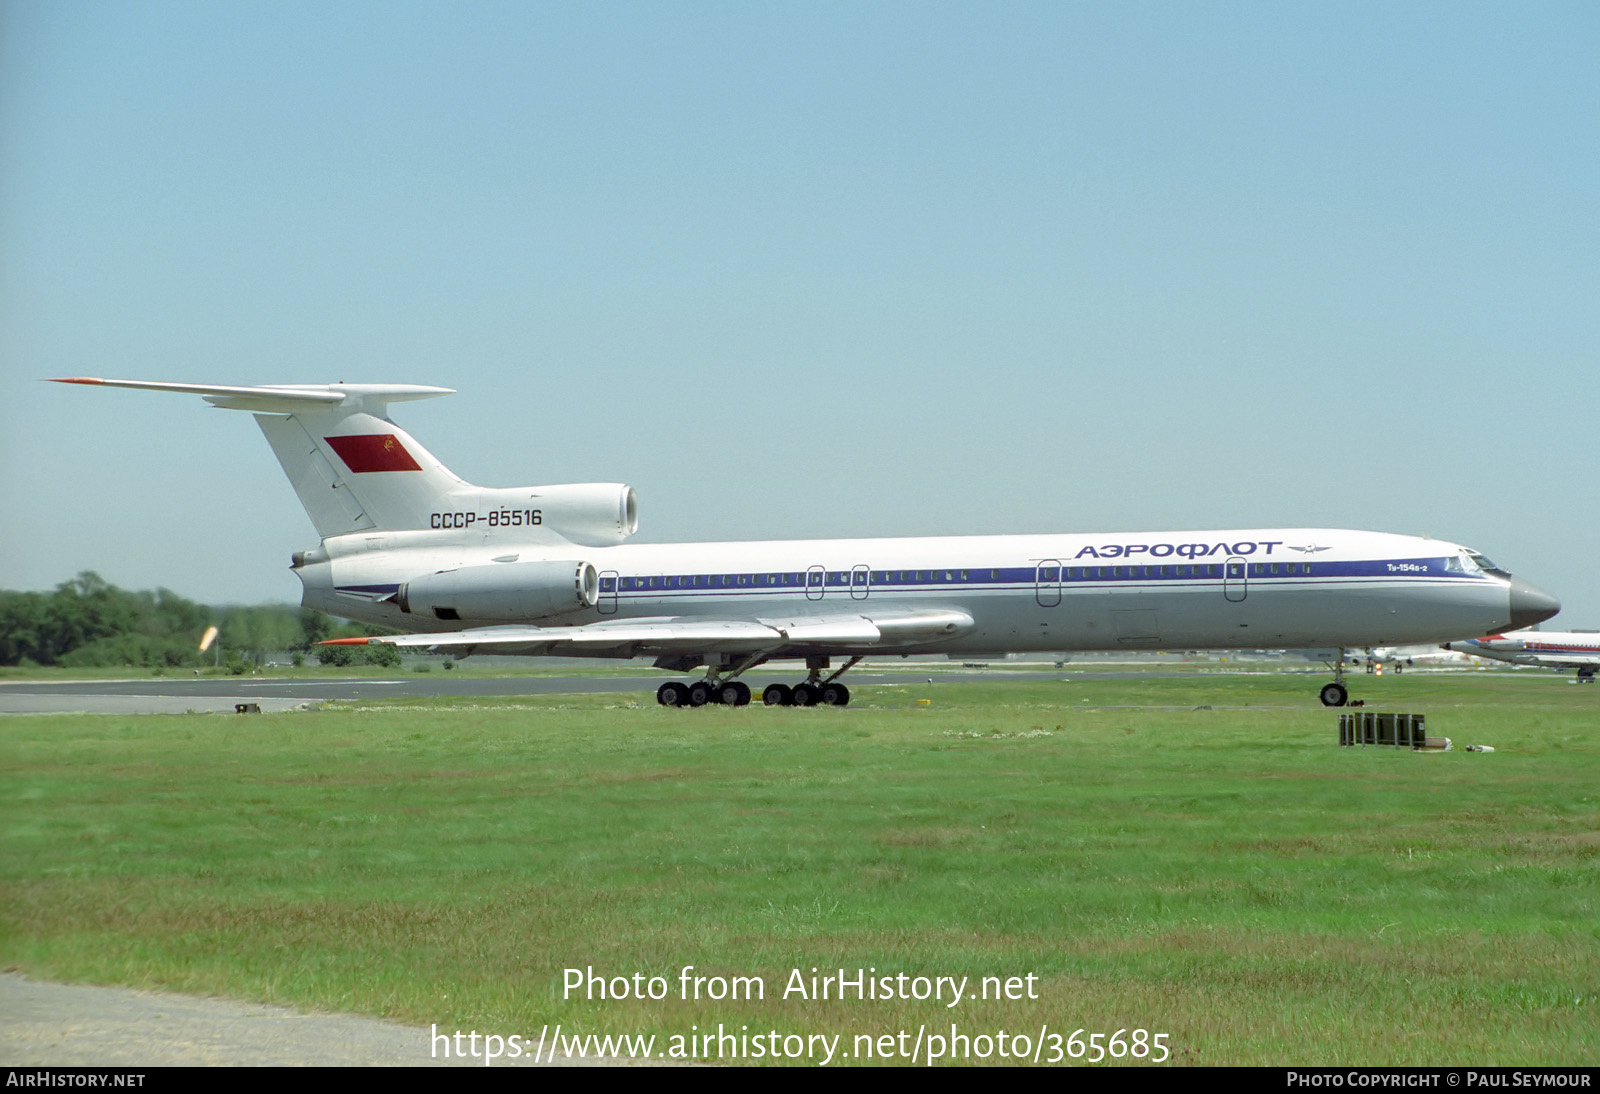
x: 597, y: 514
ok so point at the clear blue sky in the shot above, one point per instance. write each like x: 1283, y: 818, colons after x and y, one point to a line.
x: 810, y: 269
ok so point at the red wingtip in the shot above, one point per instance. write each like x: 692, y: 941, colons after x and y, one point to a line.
x: 75, y: 380
x: 344, y: 641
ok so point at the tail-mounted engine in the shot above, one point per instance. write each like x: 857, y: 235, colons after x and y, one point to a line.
x: 502, y: 592
x: 595, y: 514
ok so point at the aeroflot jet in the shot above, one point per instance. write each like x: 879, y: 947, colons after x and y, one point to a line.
x: 544, y: 570
x: 1552, y: 649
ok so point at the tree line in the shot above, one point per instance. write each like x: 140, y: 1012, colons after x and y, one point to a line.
x: 88, y: 622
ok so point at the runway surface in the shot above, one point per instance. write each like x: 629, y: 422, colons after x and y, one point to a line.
x: 167, y: 695
x: 77, y: 1025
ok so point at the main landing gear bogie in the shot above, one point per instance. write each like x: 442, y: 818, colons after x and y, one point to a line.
x: 736, y: 693
x: 733, y: 693
x: 806, y: 695
x: 814, y: 691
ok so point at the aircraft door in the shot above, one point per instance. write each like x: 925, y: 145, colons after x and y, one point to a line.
x: 1235, y: 579
x: 816, y: 582
x: 860, y: 582
x: 1047, y: 583
x: 607, y: 604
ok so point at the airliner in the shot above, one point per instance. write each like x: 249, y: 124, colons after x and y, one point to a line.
x: 545, y: 570
x: 1559, y: 650
x: 1399, y: 658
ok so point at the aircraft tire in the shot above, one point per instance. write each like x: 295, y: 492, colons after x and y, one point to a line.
x: 835, y: 695
x: 1335, y: 695
x: 672, y: 694
x: 732, y: 693
x: 699, y: 693
x: 777, y: 695
x: 806, y: 695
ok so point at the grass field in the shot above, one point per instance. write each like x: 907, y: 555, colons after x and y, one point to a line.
x: 1194, y: 857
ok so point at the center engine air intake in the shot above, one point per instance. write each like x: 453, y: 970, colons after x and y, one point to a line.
x: 515, y: 592
x: 594, y: 514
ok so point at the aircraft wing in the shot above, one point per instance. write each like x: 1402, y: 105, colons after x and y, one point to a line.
x: 686, y: 634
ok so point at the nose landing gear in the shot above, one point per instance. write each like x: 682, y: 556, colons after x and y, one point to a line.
x: 1336, y: 694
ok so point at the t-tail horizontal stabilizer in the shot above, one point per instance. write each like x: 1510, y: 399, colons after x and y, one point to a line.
x: 356, y: 471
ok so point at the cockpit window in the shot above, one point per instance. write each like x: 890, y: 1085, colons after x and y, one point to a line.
x: 1483, y: 563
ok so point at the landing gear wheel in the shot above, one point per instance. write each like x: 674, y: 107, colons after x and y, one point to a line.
x: 732, y: 693
x: 777, y: 695
x: 1335, y: 695
x: 835, y: 695
x: 699, y: 693
x: 673, y: 694
x: 807, y: 695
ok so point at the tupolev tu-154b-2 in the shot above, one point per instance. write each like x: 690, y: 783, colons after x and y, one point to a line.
x: 545, y: 570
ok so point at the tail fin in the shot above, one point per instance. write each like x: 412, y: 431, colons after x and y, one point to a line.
x: 353, y: 468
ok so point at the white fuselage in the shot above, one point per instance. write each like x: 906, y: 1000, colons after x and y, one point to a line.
x: 1189, y: 590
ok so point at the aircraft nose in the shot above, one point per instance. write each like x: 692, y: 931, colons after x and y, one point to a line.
x: 1530, y: 605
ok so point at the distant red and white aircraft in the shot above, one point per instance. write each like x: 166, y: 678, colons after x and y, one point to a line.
x: 545, y: 570
x: 1559, y: 650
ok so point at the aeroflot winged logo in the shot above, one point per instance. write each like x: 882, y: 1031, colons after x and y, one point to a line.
x: 373, y: 452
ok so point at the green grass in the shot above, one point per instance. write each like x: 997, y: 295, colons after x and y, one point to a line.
x: 1189, y: 856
